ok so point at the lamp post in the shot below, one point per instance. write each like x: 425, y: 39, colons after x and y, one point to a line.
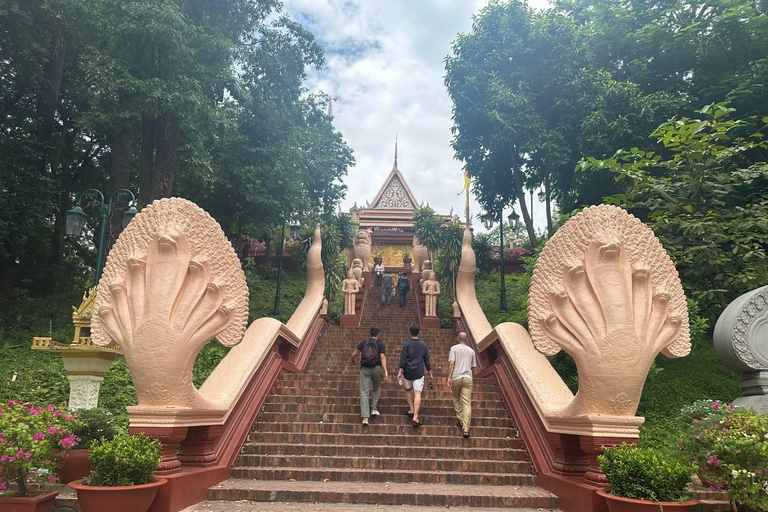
x: 295, y: 231
x: 76, y: 217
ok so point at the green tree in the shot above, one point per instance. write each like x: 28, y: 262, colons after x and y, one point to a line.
x: 707, y: 201
x: 428, y: 228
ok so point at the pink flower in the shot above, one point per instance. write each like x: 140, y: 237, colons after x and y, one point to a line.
x: 69, y: 418
x: 3, y: 458
x: 51, y: 479
x: 52, y: 429
x: 38, y: 437
x: 57, y: 414
x: 2, y: 411
x: 2, y: 485
x: 34, y: 412
x: 695, y: 420
x: 715, y: 406
x: 731, y: 406
x: 51, y: 407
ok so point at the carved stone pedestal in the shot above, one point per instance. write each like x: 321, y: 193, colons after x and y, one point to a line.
x: 430, y: 322
x: 170, y: 438
x: 85, y: 371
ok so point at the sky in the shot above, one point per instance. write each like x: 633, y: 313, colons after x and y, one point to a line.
x: 384, y: 69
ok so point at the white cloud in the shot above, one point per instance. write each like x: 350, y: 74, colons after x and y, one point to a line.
x: 385, y: 69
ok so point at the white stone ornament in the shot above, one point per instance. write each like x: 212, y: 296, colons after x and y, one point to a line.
x: 395, y: 196
x: 741, y: 343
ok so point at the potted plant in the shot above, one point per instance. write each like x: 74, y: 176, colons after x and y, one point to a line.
x: 730, y: 450
x: 31, y: 441
x: 121, y: 479
x: 89, y: 425
x: 644, y: 480
x: 406, y: 257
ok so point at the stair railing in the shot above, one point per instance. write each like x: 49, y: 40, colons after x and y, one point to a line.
x: 156, y: 279
x: 562, y: 434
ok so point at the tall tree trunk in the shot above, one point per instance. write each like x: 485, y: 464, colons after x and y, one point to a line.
x: 267, y: 251
x: 517, y: 180
x: 8, y: 272
x: 548, y: 204
x: 147, y: 170
x: 167, y: 137
x: 120, y: 141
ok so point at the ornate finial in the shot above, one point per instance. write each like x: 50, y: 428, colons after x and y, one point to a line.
x: 330, y: 107
x: 395, y: 166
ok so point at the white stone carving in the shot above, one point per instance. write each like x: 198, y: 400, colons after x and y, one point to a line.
x: 84, y: 391
x: 395, y: 196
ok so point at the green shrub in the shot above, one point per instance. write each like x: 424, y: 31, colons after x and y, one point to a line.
x: 123, y: 460
x: 644, y: 474
x: 92, y: 425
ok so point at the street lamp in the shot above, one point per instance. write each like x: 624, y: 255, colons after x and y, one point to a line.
x: 514, y: 221
x: 488, y: 223
x: 295, y: 232
x: 76, y: 217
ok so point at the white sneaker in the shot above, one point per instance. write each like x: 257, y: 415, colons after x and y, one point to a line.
x: 375, y: 413
x: 365, y: 422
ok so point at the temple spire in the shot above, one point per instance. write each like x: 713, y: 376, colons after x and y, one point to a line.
x: 395, y: 166
x: 330, y: 107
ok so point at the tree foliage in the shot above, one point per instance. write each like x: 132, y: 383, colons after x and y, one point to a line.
x: 198, y: 99
x: 707, y: 200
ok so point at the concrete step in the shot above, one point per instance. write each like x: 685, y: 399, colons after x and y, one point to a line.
x: 407, y: 429
x: 405, y: 475
x: 383, y: 451
x: 253, y: 506
x: 371, y: 437
x: 387, y: 493
x: 344, y: 461
x: 445, y: 417
x: 354, y: 408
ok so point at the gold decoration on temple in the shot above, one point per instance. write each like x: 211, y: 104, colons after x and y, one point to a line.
x: 392, y: 255
x: 81, y: 319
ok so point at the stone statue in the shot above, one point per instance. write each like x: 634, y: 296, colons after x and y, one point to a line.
x: 172, y: 283
x: 357, y: 270
x: 605, y: 291
x: 431, y: 289
x: 456, y: 310
x: 425, y: 270
x: 324, y: 307
x: 419, y: 256
x: 362, y: 247
x: 741, y: 343
x: 350, y: 287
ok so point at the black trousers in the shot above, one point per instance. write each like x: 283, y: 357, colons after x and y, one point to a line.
x: 403, y: 295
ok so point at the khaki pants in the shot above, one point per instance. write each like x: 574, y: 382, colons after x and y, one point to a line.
x: 462, y: 400
x: 369, y: 378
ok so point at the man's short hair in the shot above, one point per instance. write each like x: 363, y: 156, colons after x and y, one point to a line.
x: 375, y: 331
x: 463, y: 336
x: 414, y: 330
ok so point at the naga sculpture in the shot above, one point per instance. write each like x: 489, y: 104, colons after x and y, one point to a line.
x: 420, y: 255
x: 173, y: 282
x: 362, y: 247
x: 605, y: 291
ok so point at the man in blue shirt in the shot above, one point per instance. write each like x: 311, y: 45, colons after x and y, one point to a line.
x: 413, y: 359
x: 373, y: 369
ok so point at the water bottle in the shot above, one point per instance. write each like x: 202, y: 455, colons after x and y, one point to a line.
x: 400, y: 381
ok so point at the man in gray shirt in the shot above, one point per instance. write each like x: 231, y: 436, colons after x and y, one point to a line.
x: 462, y: 362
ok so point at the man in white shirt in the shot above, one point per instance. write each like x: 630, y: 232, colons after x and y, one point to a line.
x: 379, y: 271
x: 462, y: 362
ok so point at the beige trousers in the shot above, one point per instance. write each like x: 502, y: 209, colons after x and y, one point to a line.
x: 462, y: 400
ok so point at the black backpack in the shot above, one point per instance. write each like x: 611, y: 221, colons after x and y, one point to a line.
x: 369, y: 356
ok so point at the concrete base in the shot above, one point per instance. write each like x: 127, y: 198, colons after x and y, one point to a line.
x: 349, y: 321
x: 430, y: 322
x: 757, y: 402
x: 755, y: 383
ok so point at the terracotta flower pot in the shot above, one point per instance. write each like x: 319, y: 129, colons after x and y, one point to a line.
x: 75, y: 465
x: 40, y: 503
x: 136, y: 498
x: 618, y: 504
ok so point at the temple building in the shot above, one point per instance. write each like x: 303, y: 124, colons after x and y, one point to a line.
x: 389, y: 218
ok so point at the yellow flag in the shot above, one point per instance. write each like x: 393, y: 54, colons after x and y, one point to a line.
x: 467, y: 181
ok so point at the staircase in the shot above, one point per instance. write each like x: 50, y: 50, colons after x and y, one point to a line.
x: 309, y: 451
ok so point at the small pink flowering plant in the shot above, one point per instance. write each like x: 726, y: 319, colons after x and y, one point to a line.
x: 31, y: 437
x: 730, y: 449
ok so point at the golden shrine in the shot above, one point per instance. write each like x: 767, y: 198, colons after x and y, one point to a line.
x: 86, y: 363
